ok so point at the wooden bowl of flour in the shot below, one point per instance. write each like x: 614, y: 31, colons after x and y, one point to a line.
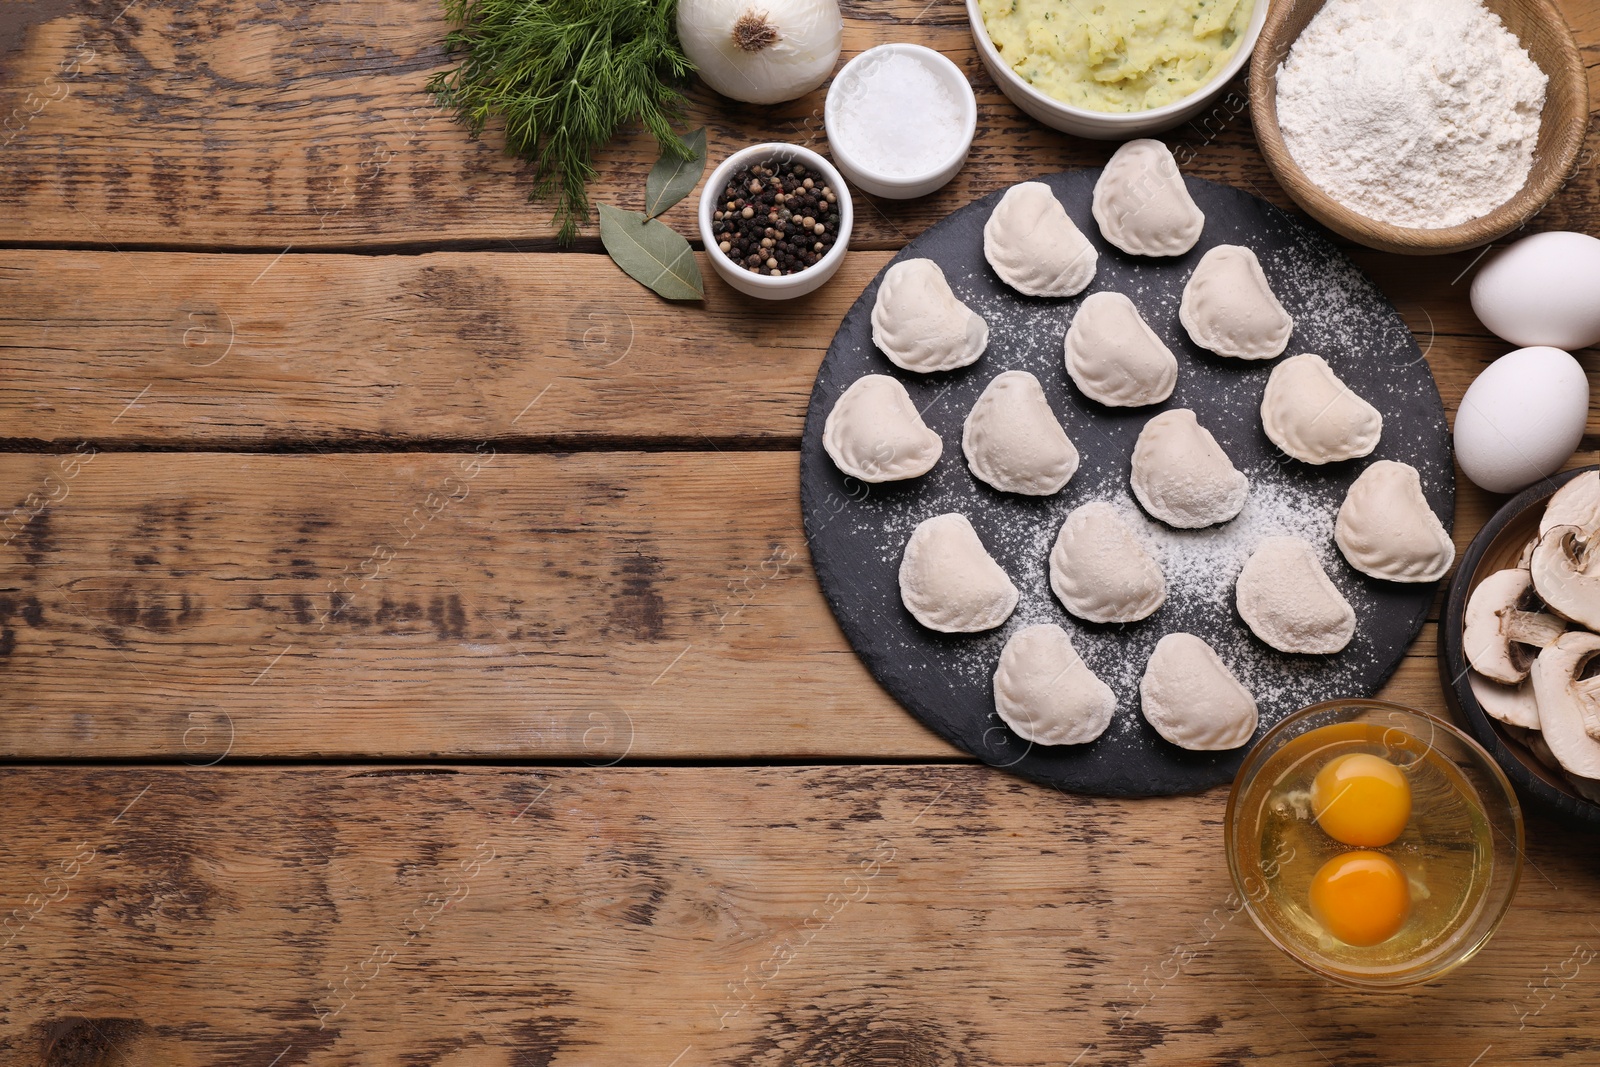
x: 1542, y: 31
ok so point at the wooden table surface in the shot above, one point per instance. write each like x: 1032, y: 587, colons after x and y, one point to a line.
x: 409, y: 652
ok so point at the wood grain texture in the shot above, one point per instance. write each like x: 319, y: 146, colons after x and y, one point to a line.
x: 592, y: 607
x: 251, y: 351
x: 275, y: 126
x: 588, y: 607
x: 204, y: 608
x: 915, y: 916
x: 237, y: 351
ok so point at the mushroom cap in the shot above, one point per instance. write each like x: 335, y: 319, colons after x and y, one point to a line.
x: 1564, y: 574
x: 1562, y: 718
x: 1495, y: 639
x: 1514, y: 705
x: 1575, y: 504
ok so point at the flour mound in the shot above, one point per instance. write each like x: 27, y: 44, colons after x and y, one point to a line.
x: 1423, y: 113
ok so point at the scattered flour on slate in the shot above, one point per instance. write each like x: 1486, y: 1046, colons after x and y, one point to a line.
x: 1338, y: 314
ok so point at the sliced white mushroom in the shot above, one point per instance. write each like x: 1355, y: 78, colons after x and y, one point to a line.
x: 1525, y: 557
x: 1566, y: 572
x: 1569, y: 704
x: 1046, y: 693
x: 1504, y: 627
x: 1575, y: 504
x: 1514, y: 705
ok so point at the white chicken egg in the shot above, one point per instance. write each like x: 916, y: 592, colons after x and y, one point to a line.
x: 1522, y: 418
x: 1543, y: 290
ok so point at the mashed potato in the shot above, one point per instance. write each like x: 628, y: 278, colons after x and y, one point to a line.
x: 1117, y: 55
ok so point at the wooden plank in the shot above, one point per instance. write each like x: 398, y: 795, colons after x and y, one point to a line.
x: 306, y: 127
x: 248, y: 351
x: 765, y: 917
x: 241, y: 351
x: 590, y: 606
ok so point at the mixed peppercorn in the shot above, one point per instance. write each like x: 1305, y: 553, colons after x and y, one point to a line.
x: 776, y: 219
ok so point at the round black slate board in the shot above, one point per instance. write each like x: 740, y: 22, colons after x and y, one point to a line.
x: 857, y: 532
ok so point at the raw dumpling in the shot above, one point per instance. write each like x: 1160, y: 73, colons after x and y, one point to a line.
x: 1192, y: 699
x: 921, y: 325
x: 1101, y: 571
x: 1114, y: 357
x: 1182, y: 476
x: 1229, y: 308
x: 1386, y: 528
x: 1034, y: 247
x: 1142, y: 205
x: 875, y: 433
x: 1045, y: 692
x: 1314, y: 417
x: 949, y: 581
x: 1287, y: 599
x: 1014, y: 441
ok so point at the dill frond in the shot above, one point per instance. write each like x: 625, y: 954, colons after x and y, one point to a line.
x: 563, y: 76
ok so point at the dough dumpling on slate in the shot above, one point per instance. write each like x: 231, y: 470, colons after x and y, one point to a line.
x: 1182, y: 476
x: 948, y: 580
x: 1192, y: 699
x: 1387, y: 530
x: 1014, y: 441
x: 1114, y: 357
x: 1142, y: 205
x: 1229, y: 308
x: 1035, y: 247
x: 1313, y: 416
x: 1101, y: 571
x: 1046, y: 693
x: 921, y: 325
x: 875, y: 433
x: 1288, y: 600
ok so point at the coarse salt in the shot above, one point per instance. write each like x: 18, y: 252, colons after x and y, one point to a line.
x: 896, y: 118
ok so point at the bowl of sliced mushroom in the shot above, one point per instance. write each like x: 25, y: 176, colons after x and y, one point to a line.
x: 1520, y: 650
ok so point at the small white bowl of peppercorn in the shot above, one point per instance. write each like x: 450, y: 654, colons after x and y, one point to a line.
x: 775, y: 219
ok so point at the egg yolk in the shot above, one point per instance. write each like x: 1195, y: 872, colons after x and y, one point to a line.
x: 1361, y: 898
x: 1361, y: 799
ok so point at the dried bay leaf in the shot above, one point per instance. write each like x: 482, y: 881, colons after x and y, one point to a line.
x: 672, y: 179
x: 651, y: 253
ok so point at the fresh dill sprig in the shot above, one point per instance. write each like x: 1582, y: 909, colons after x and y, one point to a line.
x: 564, y: 75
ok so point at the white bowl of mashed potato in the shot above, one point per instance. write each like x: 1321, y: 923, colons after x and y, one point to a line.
x: 1115, y: 69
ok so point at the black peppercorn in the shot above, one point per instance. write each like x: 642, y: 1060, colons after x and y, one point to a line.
x: 776, y: 219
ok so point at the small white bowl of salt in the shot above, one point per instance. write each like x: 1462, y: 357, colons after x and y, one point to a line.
x: 900, y: 120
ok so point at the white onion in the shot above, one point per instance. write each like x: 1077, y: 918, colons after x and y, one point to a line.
x: 762, y: 51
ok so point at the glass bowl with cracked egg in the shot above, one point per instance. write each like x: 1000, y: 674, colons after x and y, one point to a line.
x: 1377, y: 846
